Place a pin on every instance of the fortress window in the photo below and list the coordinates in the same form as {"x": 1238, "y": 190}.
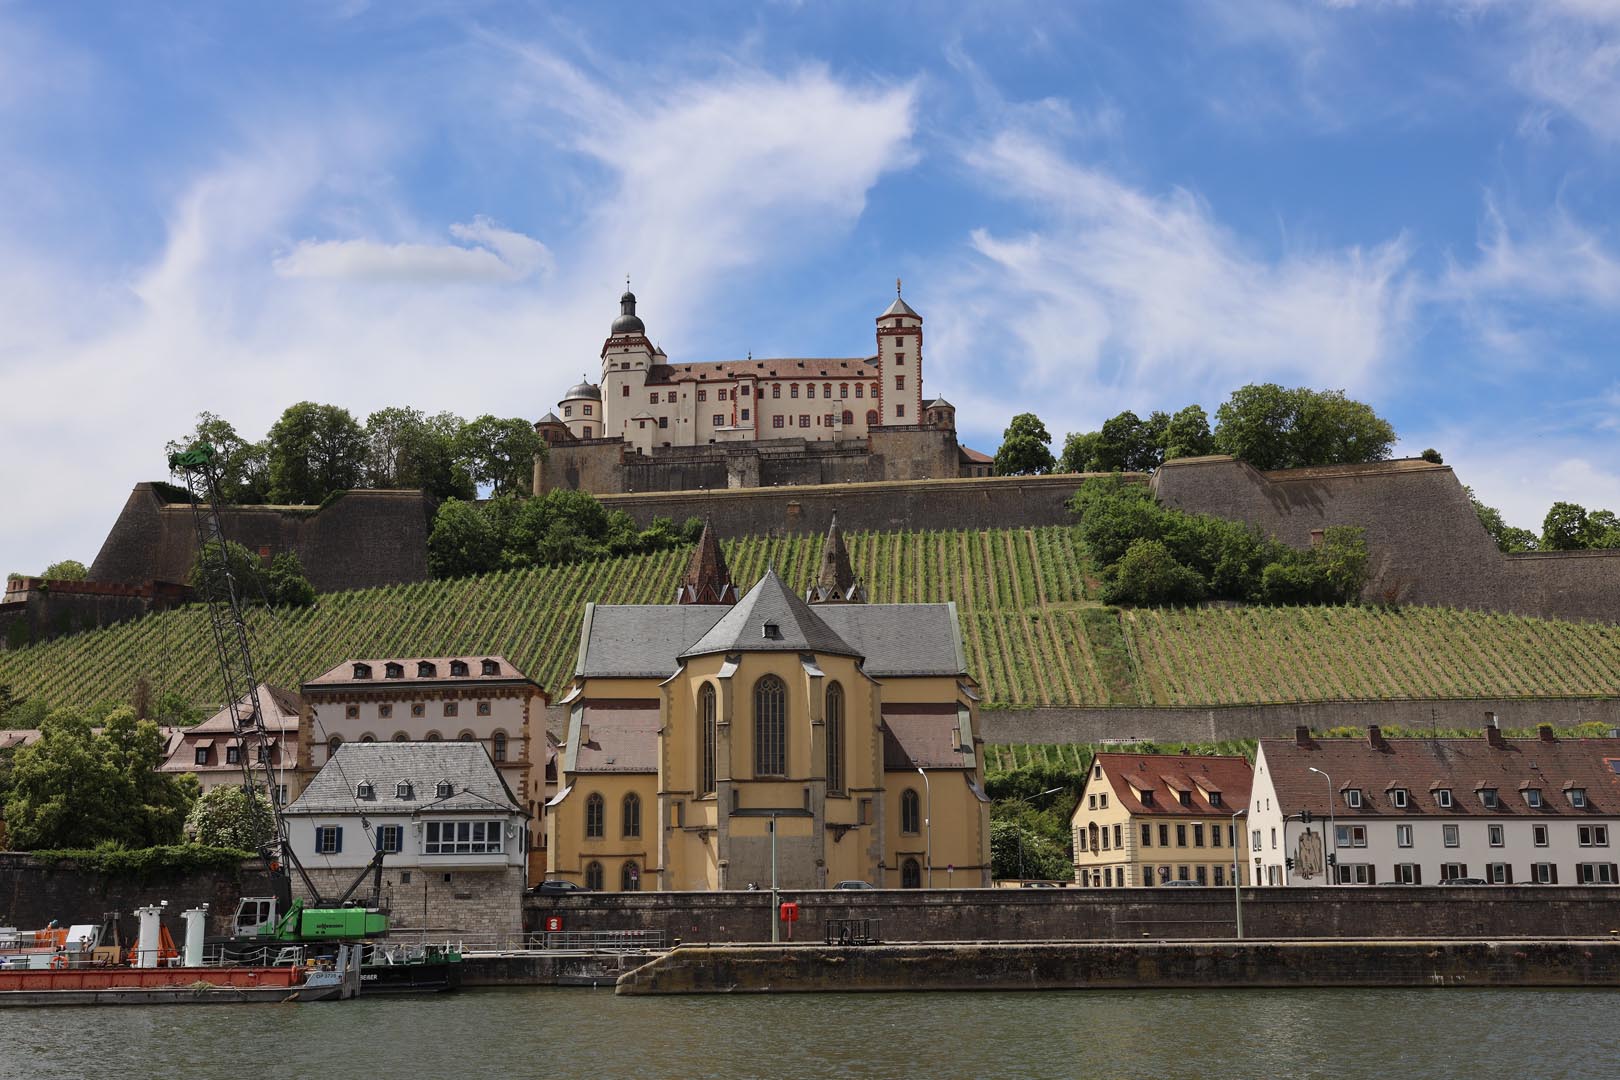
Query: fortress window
{"x": 745, "y": 415}
{"x": 843, "y": 389}
{"x": 899, "y": 358}
{"x": 776, "y": 390}
{"x": 849, "y": 418}
{"x": 483, "y": 708}
{"x": 585, "y": 433}
{"x": 426, "y": 670}
{"x": 451, "y": 708}
{"x": 585, "y": 409}
{"x": 871, "y": 418}
{"x": 859, "y": 389}
{"x": 899, "y": 382}
{"x": 626, "y": 390}
{"x": 804, "y": 420}
{"x": 875, "y": 390}
{"x": 362, "y": 671}
{"x": 719, "y": 421}
{"x": 351, "y": 712}
{"x": 743, "y": 390}
{"x": 793, "y": 391}
{"x": 663, "y": 422}
{"x": 568, "y": 410}
{"x": 720, "y": 394}
{"x": 827, "y": 420}
{"x": 652, "y": 398}
{"x": 702, "y": 395}
{"x": 826, "y": 390}
{"x": 672, "y": 397}
{"x": 394, "y": 671}
{"x": 385, "y": 711}
{"x": 776, "y": 421}
{"x": 458, "y": 668}
{"x": 418, "y": 709}
{"x": 900, "y": 410}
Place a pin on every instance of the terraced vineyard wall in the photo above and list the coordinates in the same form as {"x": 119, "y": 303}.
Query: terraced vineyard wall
{"x": 1046, "y": 654}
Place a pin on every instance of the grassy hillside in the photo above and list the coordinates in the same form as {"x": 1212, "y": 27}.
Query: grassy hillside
{"x": 1033, "y": 635}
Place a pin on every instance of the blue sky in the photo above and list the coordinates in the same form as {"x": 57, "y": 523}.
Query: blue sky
{"x": 1095, "y": 207}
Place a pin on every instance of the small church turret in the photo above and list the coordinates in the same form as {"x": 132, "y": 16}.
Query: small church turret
{"x": 707, "y": 579}
{"x": 836, "y": 582}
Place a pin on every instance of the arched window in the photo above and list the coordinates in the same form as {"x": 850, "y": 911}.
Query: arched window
{"x": 593, "y": 876}
{"x": 368, "y": 737}
{"x": 332, "y": 745}
{"x": 595, "y": 818}
{"x": 849, "y": 418}
{"x": 632, "y": 815}
{"x": 835, "y": 739}
{"x": 400, "y": 736}
{"x": 910, "y": 875}
{"x": 630, "y": 877}
{"x": 871, "y": 418}
{"x": 770, "y": 727}
{"x": 498, "y": 743}
{"x": 910, "y": 812}
{"x": 706, "y": 739}
{"x": 433, "y": 736}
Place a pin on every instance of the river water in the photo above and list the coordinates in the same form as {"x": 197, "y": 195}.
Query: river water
{"x": 1158, "y": 1034}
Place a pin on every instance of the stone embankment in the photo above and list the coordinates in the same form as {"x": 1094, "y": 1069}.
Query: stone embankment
{"x": 771, "y": 969}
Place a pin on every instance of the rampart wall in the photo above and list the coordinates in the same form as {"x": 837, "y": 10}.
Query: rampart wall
{"x": 358, "y": 541}
{"x": 37, "y": 610}
{"x": 1426, "y": 542}
{"x": 35, "y": 891}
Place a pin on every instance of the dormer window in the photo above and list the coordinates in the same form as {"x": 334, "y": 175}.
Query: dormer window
{"x": 402, "y": 790}
{"x": 1215, "y": 798}
{"x": 392, "y": 670}
{"x": 1487, "y": 798}
{"x": 491, "y": 667}
{"x": 772, "y": 632}
{"x": 1442, "y": 798}
{"x": 1397, "y": 798}
{"x": 1577, "y": 798}
{"x": 425, "y": 669}
{"x": 362, "y": 671}
{"x": 1147, "y": 798}
{"x": 444, "y": 790}
{"x": 1184, "y": 798}
{"x": 1352, "y": 798}
{"x": 1532, "y": 798}
{"x": 458, "y": 669}
{"x": 364, "y": 790}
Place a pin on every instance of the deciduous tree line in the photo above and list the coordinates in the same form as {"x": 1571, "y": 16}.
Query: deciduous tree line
{"x": 314, "y": 451}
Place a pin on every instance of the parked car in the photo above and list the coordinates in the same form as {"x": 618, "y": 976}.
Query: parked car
{"x": 854, "y": 885}
{"x": 1178, "y": 885}
{"x": 1037, "y": 885}
{"x": 559, "y": 887}
{"x": 1465, "y": 881}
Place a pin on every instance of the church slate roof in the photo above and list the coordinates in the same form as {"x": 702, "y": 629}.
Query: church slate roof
{"x": 837, "y": 581}
{"x": 744, "y": 628}
{"x": 477, "y": 783}
{"x": 707, "y": 579}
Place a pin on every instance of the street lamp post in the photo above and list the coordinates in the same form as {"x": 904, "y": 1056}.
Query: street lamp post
{"x": 1237, "y": 874}
{"x": 776, "y": 929}
{"x": 1019, "y": 799}
{"x": 1333, "y": 829}
{"x": 928, "y": 828}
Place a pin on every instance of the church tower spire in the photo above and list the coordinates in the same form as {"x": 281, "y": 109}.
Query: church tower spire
{"x": 837, "y": 583}
{"x": 707, "y": 580}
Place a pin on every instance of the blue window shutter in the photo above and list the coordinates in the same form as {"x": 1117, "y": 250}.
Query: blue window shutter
{"x": 337, "y": 839}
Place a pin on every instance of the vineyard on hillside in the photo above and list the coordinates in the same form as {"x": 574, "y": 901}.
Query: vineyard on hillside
{"x": 1033, "y": 634}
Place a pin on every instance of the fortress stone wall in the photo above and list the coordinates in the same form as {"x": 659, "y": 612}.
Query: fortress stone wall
{"x": 1426, "y": 542}
{"x": 362, "y": 540}
{"x": 613, "y": 466}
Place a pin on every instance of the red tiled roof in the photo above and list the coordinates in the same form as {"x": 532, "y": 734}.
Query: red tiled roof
{"x": 624, "y": 738}
{"x": 1463, "y": 765}
{"x": 921, "y": 734}
{"x": 853, "y": 367}
{"x": 1165, "y": 774}
{"x": 343, "y": 674}
{"x": 281, "y": 709}
{"x": 969, "y": 454}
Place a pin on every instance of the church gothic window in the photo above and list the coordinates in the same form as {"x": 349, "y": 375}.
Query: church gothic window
{"x": 770, "y": 727}
{"x": 910, "y": 875}
{"x": 630, "y": 877}
{"x": 910, "y": 812}
{"x": 706, "y": 739}
{"x": 595, "y": 817}
{"x": 835, "y": 739}
{"x": 593, "y": 876}
{"x": 632, "y": 815}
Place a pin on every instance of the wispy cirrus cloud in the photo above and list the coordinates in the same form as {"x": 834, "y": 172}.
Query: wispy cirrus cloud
{"x": 489, "y": 253}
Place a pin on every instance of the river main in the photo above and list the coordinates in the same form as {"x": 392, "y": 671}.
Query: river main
{"x": 1476, "y": 1034}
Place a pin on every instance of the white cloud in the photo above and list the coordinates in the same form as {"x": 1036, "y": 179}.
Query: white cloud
{"x": 1124, "y": 298}
{"x": 245, "y": 309}
{"x": 493, "y": 254}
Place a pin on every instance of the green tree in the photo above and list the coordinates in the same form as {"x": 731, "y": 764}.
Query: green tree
{"x": 244, "y": 569}
{"x": 1026, "y": 448}
{"x": 1272, "y": 427}
{"x": 1187, "y": 434}
{"x": 285, "y": 584}
{"x": 1565, "y": 528}
{"x": 74, "y": 788}
{"x": 1507, "y": 537}
{"x": 499, "y": 452}
{"x": 1602, "y": 530}
{"x": 462, "y": 541}
{"x": 228, "y": 817}
{"x": 66, "y": 570}
{"x": 1345, "y": 562}
{"x": 1127, "y": 442}
{"x": 1021, "y": 848}
{"x": 244, "y": 467}
{"x": 407, "y": 449}
{"x": 315, "y": 451}
{"x": 1148, "y": 574}
{"x": 1079, "y": 449}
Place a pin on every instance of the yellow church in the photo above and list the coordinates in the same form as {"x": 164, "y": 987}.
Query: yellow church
{"x": 699, "y": 727}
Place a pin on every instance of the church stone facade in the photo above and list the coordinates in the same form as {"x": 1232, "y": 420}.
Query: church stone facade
{"x": 653, "y": 425}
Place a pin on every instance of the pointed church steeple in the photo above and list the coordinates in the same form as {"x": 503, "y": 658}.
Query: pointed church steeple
{"x": 837, "y": 583}
{"x": 707, "y": 580}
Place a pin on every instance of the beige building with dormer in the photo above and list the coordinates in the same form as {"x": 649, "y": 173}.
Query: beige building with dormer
{"x": 699, "y": 727}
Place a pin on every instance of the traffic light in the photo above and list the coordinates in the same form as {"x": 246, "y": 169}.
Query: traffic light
{"x": 1333, "y": 858}
{"x": 1290, "y": 862}
{"x": 1305, "y": 816}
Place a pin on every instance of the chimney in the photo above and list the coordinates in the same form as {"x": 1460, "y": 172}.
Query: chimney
{"x": 1493, "y": 735}
{"x": 1375, "y": 737}
{"x": 1302, "y": 737}
{"x": 1546, "y": 733}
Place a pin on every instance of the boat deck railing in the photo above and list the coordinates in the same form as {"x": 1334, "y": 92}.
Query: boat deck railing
{"x": 579, "y": 942}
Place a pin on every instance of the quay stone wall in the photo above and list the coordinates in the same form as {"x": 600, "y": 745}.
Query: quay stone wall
{"x": 35, "y": 891}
